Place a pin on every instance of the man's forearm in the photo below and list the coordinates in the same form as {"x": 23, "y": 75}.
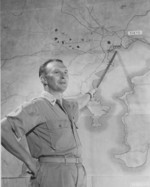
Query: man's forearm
{"x": 84, "y": 99}
{"x": 10, "y": 143}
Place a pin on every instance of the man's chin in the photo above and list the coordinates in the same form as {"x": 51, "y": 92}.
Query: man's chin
{"x": 62, "y": 89}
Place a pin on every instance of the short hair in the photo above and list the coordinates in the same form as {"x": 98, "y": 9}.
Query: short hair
{"x": 42, "y": 69}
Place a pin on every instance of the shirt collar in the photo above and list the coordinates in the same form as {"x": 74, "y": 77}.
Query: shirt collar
{"x": 49, "y": 97}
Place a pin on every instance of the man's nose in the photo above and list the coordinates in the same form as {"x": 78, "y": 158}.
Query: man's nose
{"x": 64, "y": 75}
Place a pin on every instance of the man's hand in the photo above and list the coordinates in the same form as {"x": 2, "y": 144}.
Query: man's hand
{"x": 92, "y": 93}
{"x": 84, "y": 99}
{"x": 95, "y": 95}
{"x": 33, "y": 167}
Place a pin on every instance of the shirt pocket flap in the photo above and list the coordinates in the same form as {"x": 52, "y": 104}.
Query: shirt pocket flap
{"x": 59, "y": 123}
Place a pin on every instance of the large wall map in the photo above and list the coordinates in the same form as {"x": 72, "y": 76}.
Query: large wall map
{"x": 114, "y": 129}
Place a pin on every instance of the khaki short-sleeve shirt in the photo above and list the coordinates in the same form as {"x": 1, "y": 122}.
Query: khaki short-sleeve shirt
{"x": 49, "y": 129}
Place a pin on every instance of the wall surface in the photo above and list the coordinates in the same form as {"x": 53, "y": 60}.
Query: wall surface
{"x": 115, "y": 130}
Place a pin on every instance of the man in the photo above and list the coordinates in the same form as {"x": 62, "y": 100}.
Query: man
{"x": 49, "y": 123}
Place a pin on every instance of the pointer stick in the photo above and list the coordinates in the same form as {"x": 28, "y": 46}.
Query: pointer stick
{"x": 103, "y": 75}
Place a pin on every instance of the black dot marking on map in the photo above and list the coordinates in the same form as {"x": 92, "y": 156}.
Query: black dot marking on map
{"x": 123, "y": 6}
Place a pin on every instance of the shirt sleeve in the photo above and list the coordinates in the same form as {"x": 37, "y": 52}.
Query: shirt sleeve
{"x": 24, "y": 119}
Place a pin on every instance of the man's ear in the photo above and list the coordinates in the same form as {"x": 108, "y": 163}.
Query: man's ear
{"x": 43, "y": 80}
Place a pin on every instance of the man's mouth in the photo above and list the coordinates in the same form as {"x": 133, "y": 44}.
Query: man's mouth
{"x": 63, "y": 82}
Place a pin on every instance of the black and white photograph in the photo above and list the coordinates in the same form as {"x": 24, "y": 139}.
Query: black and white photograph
{"x": 75, "y": 93}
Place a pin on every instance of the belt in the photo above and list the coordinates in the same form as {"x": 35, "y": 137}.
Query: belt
{"x": 64, "y": 159}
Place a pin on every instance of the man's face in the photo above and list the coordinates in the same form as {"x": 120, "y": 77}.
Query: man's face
{"x": 56, "y": 76}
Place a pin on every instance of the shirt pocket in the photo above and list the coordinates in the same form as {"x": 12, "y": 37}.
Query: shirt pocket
{"x": 61, "y": 135}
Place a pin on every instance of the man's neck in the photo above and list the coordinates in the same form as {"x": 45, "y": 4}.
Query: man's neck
{"x": 57, "y": 95}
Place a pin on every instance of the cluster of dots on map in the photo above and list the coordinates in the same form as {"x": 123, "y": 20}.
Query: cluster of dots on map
{"x": 66, "y": 41}
{"x": 63, "y": 39}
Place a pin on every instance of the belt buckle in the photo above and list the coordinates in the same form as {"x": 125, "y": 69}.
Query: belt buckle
{"x": 73, "y": 160}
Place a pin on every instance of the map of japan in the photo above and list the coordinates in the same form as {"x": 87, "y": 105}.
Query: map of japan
{"x": 129, "y": 75}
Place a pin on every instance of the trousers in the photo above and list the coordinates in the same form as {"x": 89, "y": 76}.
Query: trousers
{"x": 60, "y": 175}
